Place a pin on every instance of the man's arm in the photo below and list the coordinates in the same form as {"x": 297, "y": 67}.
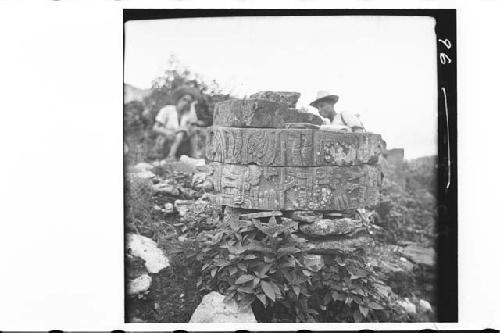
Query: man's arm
{"x": 162, "y": 130}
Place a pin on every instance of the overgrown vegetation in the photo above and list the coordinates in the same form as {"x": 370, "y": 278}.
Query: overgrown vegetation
{"x": 263, "y": 265}
{"x": 410, "y": 213}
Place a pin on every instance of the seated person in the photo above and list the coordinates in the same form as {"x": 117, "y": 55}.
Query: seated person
{"x": 336, "y": 121}
{"x": 175, "y": 124}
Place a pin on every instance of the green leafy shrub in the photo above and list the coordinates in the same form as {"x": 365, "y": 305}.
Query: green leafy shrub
{"x": 347, "y": 290}
{"x": 263, "y": 265}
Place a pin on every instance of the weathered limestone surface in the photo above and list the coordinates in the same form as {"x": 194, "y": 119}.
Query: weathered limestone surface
{"x": 288, "y": 97}
{"x": 213, "y": 309}
{"x": 291, "y": 147}
{"x": 296, "y": 188}
{"x": 327, "y": 227}
{"x": 259, "y": 113}
{"x": 345, "y": 245}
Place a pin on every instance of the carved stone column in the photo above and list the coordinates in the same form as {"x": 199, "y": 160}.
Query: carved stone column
{"x": 317, "y": 178}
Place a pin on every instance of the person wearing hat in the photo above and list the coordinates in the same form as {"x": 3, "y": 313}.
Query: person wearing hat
{"x": 333, "y": 120}
{"x": 173, "y": 123}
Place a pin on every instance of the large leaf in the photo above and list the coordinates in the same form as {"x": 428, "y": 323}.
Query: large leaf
{"x": 221, "y": 262}
{"x": 262, "y": 269}
{"x": 364, "y": 311}
{"x": 246, "y": 290}
{"x": 262, "y": 298}
{"x": 268, "y": 290}
{"x": 244, "y": 278}
{"x": 375, "y": 306}
{"x": 232, "y": 270}
{"x": 276, "y": 289}
{"x": 296, "y": 290}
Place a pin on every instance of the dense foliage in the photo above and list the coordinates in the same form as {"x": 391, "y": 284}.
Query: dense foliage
{"x": 265, "y": 265}
{"x": 410, "y": 212}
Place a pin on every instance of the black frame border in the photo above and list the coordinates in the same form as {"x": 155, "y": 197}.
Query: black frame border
{"x": 446, "y": 45}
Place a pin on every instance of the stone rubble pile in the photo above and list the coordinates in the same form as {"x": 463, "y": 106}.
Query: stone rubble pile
{"x": 144, "y": 257}
{"x": 321, "y": 180}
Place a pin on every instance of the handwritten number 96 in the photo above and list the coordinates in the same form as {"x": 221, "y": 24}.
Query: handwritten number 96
{"x": 443, "y": 57}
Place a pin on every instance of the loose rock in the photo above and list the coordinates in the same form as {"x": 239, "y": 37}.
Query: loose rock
{"x": 143, "y": 175}
{"x": 182, "y": 206}
{"x": 141, "y": 167}
{"x": 192, "y": 161}
{"x": 408, "y": 306}
{"x": 425, "y": 306}
{"x": 166, "y": 188}
{"x": 169, "y": 208}
{"x": 139, "y": 285}
{"x": 213, "y": 309}
{"x": 146, "y": 249}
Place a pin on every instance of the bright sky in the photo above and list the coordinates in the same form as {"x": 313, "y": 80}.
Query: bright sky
{"x": 383, "y": 68}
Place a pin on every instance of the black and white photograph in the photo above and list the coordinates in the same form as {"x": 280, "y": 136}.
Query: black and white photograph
{"x": 259, "y": 166}
{"x": 284, "y": 168}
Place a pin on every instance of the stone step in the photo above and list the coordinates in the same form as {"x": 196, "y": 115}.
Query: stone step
{"x": 259, "y": 113}
{"x": 291, "y": 147}
{"x": 296, "y": 188}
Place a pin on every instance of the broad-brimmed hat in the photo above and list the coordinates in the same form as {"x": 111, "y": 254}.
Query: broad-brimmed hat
{"x": 185, "y": 90}
{"x": 323, "y": 96}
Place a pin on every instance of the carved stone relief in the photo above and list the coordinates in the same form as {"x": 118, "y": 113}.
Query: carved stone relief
{"x": 297, "y": 188}
{"x": 291, "y": 147}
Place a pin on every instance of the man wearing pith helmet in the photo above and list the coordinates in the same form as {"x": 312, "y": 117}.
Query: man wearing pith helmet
{"x": 333, "y": 120}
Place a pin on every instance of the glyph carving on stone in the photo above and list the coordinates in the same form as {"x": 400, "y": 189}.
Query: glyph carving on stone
{"x": 291, "y": 147}
{"x": 297, "y": 188}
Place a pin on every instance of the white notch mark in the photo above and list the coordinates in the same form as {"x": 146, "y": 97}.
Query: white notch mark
{"x": 447, "y": 136}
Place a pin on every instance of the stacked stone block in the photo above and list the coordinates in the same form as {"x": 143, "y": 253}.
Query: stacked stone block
{"x": 319, "y": 179}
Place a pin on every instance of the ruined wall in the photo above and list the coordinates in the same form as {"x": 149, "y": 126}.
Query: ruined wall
{"x": 320, "y": 180}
